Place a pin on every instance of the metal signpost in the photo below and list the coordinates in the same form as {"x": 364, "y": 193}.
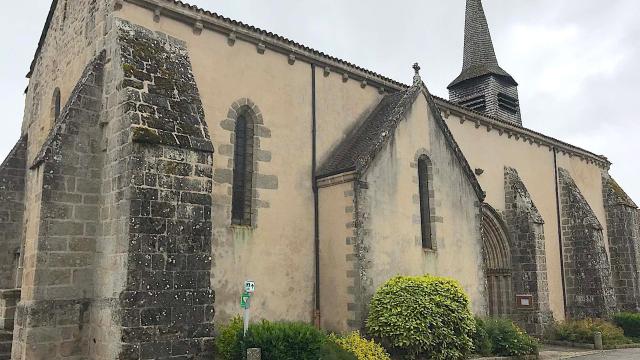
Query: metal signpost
{"x": 245, "y": 302}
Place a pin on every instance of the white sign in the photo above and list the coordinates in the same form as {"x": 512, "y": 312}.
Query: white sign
{"x": 250, "y": 286}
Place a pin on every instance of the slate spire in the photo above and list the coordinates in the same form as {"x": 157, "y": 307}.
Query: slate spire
{"x": 483, "y": 85}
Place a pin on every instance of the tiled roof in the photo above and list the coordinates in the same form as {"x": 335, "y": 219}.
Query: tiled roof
{"x": 396, "y": 84}
{"x": 358, "y": 149}
{"x": 479, "y": 55}
{"x": 362, "y": 141}
{"x": 236, "y": 24}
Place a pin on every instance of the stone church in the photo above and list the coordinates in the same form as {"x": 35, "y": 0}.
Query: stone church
{"x": 169, "y": 153}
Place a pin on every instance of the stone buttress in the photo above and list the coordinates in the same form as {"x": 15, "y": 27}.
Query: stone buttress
{"x": 623, "y": 232}
{"x": 117, "y": 258}
{"x": 526, "y": 228}
{"x": 12, "y": 185}
{"x": 587, "y": 272}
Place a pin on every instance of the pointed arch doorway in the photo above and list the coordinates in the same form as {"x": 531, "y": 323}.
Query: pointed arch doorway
{"x": 497, "y": 263}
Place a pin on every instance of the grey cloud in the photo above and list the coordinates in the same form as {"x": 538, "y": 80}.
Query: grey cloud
{"x": 598, "y": 114}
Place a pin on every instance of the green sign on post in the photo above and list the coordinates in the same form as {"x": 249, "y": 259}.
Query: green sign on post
{"x": 244, "y": 300}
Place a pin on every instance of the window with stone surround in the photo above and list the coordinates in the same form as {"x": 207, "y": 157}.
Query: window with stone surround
{"x": 241, "y": 203}
{"x": 424, "y": 185}
{"x": 55, "y": 105}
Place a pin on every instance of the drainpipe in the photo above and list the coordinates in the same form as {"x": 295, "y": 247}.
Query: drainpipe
{"x": 316, "y": 210}
{"x": 559, "y": 219}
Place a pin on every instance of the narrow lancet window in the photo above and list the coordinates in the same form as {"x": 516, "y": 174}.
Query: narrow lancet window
{"x": 241, "y": 203}
{"x": 425, "y": 210}
{"x": 55, "y": 111}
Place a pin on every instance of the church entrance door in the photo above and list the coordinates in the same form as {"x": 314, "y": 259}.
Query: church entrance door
{"x": 497, "y": 262}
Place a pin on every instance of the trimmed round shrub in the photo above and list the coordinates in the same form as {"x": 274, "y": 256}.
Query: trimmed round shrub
{"x": 507, "y": 339}
{"x": 229, "y": 340}
{"x": 422, "y": 315}
{"x": 629, "y": 322}
{"x": 581, "y": 331}
{"x": 285, "y": 341}
{"x": 362, "y": 348}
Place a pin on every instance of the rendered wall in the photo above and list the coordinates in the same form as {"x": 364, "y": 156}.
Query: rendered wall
{"x": 388, "y": 213}
{"x": 278, "y": 257}
{"x": 338, "y": 271}
{"x": 491, "y": 150}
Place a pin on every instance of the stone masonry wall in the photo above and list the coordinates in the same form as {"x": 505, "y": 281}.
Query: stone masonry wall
{"x": 74, "y": 37}
{"x": 623, "y": 232}
{"x": 12, "y": 184}
{"x": 587, "y": 270}
{"x": 57, "y": 289}
{"x": 528, "y": 257}
{"x": 167, "y": 302}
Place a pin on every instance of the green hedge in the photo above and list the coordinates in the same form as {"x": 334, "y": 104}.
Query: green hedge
{"x": 629, "y": 322}
{"x": 285, "y": 341}
{"x": 501, "y": 337}
{"x": 581, "y": 331}
{"x": 229, "y": 340}
{"x": 280, "y": 341}
{"x": 422, "y": 315}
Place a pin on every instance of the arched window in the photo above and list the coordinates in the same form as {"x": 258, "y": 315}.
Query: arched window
{"x": 55, "y": 106}
{"x": 241, "y": 203}
{"x": 425, "y": 204}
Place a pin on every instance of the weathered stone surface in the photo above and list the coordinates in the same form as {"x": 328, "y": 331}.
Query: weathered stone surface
{"x": 529, "y": 273}
{"x": 587, "y": 270}
{"x": 12, "y": 184}
{"x": 167, "y": 296}
{"x": 58, "y": 288}
{"x": 623, "y": 231}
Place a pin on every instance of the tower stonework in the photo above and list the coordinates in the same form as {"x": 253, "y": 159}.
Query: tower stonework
{"x": 483, "y": 85}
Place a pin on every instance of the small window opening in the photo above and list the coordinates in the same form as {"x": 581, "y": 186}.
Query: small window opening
{"x": 241, "y": 203}
{"x": 425, "y": 209}
{"x": 55, "y": 107}
{"x": 508, "y": 103}
{"x": 478, "y": 103}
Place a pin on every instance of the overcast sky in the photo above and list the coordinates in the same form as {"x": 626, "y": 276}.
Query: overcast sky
{"x": 576, "y": 60}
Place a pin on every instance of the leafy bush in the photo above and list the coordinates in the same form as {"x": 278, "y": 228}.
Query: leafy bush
{"x": 362, "y": 348}
{"x": 581, "y": 331}
{"x": 481, "y": 342}
{"x": 501, "y": 337}
{"x": 229, "y": 340}
{"x": 422, "y": 315}
{"x": 285, "y": 341}
{"x": 332, "y": 351}
{"x": 629, "y": 322}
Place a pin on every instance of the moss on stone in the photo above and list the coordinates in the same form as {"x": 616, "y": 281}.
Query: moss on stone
{"x": 145, "y": 134}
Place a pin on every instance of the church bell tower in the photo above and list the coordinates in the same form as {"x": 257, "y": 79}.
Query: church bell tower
{"x": 483, "y": 85}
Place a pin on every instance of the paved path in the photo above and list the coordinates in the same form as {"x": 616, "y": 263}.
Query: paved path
{"x": 550, "y": 352}
{"x": 627, "y": 354}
